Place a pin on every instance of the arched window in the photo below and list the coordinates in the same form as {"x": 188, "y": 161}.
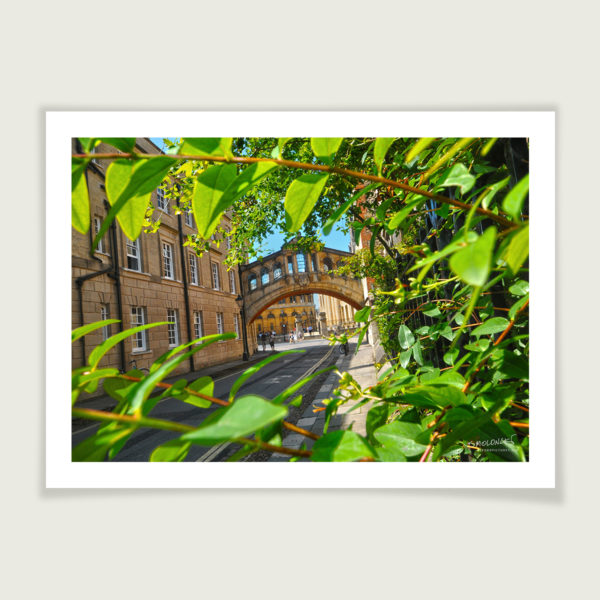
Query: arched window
{"x": 277, "y": 272}
{"x": 264, "y": 277}
{"x": 301, "y": 262}
{"x": 327, "y": 264}
{"x": 252, "y": 282}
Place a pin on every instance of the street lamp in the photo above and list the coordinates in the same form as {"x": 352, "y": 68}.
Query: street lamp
{"x": 240, "y": 303}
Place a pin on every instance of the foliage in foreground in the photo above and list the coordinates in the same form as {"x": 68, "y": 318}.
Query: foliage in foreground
{"x": 448, "y": 264}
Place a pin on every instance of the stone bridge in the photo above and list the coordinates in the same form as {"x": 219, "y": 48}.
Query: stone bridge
{"x": 289, "y": 272}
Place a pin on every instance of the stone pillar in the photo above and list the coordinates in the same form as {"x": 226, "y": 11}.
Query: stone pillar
{"x": 323, "y": 330}
{"x": 298, "y": 321}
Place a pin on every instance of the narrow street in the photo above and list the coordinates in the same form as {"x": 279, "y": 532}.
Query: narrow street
{"x": 268, "y": 382}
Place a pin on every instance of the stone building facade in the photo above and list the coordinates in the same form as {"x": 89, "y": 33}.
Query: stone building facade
{"x": 339, "y": 314}
{"x": 283, "y": 316}
{"x": 154, "y": 278}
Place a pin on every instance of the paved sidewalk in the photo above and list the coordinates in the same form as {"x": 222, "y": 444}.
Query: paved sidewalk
{"x": 361, "y": 367}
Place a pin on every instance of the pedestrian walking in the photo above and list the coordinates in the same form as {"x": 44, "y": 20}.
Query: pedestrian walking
{"x": 263, "y": 339}
{"x": 272, "y": 342}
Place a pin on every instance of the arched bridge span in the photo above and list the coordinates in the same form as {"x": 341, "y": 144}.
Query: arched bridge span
{"x": 288, "y": 273}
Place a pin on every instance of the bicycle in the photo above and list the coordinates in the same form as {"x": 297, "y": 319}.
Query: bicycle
{"x": 142, "y": 369}
{"x": 344, "y": 348}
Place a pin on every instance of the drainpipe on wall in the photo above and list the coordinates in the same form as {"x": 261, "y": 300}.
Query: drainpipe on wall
{"x": 116, "y": 276}
{"x": 186, "y": 290}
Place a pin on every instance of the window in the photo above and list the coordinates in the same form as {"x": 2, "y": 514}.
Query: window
{"x": 277, "y": 271}
{"x": 134, "y": 255}
{"x": 327, "y": 265}
{"x": 138, "y": 317}
{"x": 232, "y": 281}
{"x": 173, "y": 327}
{"x": 188, "y": 218}
{"x": 161, "y": 201}
{"x": 301, "y": 262}
{"x": 97, "y": 226}
{"x": 264, "y": 277}
{"x": 198, "y": 326}
{"x": 220, "y": 327}
{"x": 290, "y": 264}
{"x": 236, "y": 324}
{"x": 104, "y": 314}
{"x": 193, "y": 268}
{"x": 252, "y": 282}
{"x": 168, "y": 261}
{"x": 215, "y": 276}
{"x": 313, "y": 262}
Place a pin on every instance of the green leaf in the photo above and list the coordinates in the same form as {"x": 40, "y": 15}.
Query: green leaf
{"x": 246, "y": 180}
{"x": 417, "y": 148}
{"x": 85, "y": 329}
{"x": 438, "y": 395}
{"x": 340, "y": 446}
{"x": 382, "y": 145}
{"x": 173, "y": 451}
{"x": 345, "y": 207}
{"x": 206, "y": 146}
{"x": 518, "y": 249}
{"x": 513, "y": 203}
{"x": 206, "y": 201}
{"x": 405, "y": 337}
{"x": 301, "y": 197}
{"x": 99, "y": 351}
{"x": 80, "y": 202}
{"x": 376, "y": 417}
{"x": 492, "y": 191}
{"x": 95, "y": 448}
{"x": 450, "y": 356}
{"x": 325, "y": 148}
{"x": 473, "y": 263}
{"x": 405, "y": 357}
{"x": 290, "y": 391}
{"x": 255, "y": 368}
{"x": 362, "y": 315}
{"x": 459, "y": 176}
{"x": 491, "y": 326}
{"x": 131, "y": 216}
{"x": 410, "y": 439}
{"x": 481, "y": 345}
{"x": 397, "y": 218}
{"x": 205, "y": 341}
{"x": 146, "y": 176}
{"x": 126, "y": 145}
{"x": 515, "y": 308}
{"x": 390, "y": 454}
{"x": 245, "y": 416}
{"x": 140, "y": 393}
{"x": 281, "y": 142}
{"x": 203, "y": 385}
{"x": 417, "y": 354}
{"x": 520, "y": 288}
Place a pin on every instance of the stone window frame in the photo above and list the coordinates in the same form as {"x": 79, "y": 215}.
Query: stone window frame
{"x": 140, "y": 338}
{"x": 162, "y": 203}
{"x": 105, "y": 314}
{"x": 232, "y": 286}
{"x": 264, "y": 271}
{"x": 137, "y": 255}
{"x": 194, "y": 278}
{"x": 215, "y": 276}
{"x": 168, "y": 262}
{"x": 277, "y": 271}
{"x": 252, "y": 282}
{"x": 220, "y": 323}
{"x": 173, "y": 327}
{"x": 198, "y": 324}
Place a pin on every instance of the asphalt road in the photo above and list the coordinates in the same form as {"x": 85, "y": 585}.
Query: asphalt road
{"x": 268, "y": 382}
